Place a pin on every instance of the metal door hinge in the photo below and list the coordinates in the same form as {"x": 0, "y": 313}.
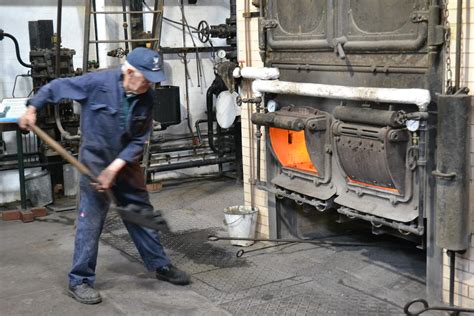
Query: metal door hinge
{"x": 268, "y": 24}
{"x": 419, "y": 16}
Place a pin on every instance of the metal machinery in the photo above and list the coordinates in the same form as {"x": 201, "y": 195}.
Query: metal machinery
{"x": 353, "y": 118}
{"x": 213, "y": 144}
{"x": 165, "y": 152}
{"x": 47, "y": 63}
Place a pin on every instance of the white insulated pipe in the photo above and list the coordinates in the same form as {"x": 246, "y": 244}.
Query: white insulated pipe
{"x": 264, "y": 73}
{"x": 420, "y": 97}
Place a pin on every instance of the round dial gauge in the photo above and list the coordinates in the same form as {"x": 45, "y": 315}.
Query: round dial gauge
{"x": 272, "y": 106}
{"x": 221, "y": 53}
{"x": 413, "y": 125}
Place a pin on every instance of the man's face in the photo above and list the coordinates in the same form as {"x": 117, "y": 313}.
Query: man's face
{"x": 134, "y": 82}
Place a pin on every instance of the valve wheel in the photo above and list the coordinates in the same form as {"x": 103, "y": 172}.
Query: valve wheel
{"x": 203, "y": 31}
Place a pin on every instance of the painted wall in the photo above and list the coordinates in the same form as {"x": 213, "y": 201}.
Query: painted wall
{"x": 14, "y": 17}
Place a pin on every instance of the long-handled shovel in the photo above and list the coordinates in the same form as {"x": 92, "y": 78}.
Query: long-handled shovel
{"x": 131, "y": 213}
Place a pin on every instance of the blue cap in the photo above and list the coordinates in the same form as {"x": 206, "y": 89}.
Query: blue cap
{"x": 148, "y": 62}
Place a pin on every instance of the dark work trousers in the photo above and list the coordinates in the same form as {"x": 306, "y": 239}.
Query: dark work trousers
{"x": 129, "y": 188}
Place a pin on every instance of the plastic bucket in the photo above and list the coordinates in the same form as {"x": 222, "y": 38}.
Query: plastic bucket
{"x": 38, "y": 188}
{"x": 241, "y": 222}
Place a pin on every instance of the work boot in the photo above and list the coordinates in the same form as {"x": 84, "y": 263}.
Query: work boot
{"x": 85, "y": 294}
{"x": 171, "y": 274}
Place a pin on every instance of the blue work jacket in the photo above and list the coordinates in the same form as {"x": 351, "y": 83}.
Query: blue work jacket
{"x": 105, "y": 134}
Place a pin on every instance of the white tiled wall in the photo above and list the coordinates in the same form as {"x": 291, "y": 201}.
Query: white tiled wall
{"x": 464, "y": 276}
{"x": 251, "y": 194}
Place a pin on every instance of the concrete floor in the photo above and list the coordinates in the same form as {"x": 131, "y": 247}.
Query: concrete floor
{"x": 34, "y": 262}
{"x": 292, "y": 280}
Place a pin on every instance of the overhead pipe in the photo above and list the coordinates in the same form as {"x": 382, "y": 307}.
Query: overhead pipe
{"x": 17, "y": 48}
{"x": 420, "y": 97}
{"x": 191, "y": 164}
{"x": 265, "y": 73}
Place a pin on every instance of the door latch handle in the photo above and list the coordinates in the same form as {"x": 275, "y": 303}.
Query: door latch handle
{"x": 340, "y": 50}
{"x": 445, "y": 176}
{"x": 338, "y": 44}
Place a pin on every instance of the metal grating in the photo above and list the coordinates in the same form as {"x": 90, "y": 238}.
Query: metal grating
{"x": 292, "y": 279}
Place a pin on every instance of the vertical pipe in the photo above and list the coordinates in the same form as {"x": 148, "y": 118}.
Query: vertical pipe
{"x": 96, "y": 33}
{"x": 136, "y": 21}
{"x": 457, "y": 78}
{"x": 58, "y": 38}
{"x": 155, "y": 20}
{"x": 421, "y": 173}
{"x": 125, "y": 25}
{"x": 233, "y": 8}
{"x": 258, "y": 135}
{"x": 259, "y": 131}
{"x": 21, "y": 167}
{"x": 186, "y": 72}
{"x": 452, "y": 262}
{"x": 87, "y": 28}
{"x": 248, "y": 59}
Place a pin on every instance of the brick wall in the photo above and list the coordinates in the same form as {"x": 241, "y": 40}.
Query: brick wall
{"x": 464, "y": 276}
{"x": 251, "y": 194}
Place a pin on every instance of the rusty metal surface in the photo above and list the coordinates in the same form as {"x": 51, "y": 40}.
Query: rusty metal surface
{"x": 321, "y": 42}
{"x": 373, "y": 156}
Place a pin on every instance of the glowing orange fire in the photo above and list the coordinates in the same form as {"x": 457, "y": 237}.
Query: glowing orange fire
{"x": 290, "y": 149}
{"x": 371, "y": 185}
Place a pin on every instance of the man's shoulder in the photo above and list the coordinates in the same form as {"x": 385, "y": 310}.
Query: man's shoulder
{"x": 103, "y": 73}
{"x": 103, "y": 78}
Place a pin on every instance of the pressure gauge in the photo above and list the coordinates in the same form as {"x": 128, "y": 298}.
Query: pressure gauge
{"x": 272, "y": 106}
{"x": 413, "y": 125}
{"x": 221, "y": 53}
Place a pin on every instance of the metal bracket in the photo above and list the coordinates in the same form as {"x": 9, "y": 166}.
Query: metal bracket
{"x": 255, "y": 14}
{"x": 269, "y": 24}
{"x": 419, "y": 16}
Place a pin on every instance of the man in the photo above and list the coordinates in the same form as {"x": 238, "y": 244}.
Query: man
{"x": 116, "y": 121}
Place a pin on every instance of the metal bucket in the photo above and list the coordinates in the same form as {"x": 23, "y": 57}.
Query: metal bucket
{"x": 38, "y": 188}
{"x": 71, "y": 180}
{"x": 241, "y": 222}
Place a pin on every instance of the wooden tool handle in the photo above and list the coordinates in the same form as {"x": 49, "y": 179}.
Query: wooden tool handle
{"x": 62, "y": 152}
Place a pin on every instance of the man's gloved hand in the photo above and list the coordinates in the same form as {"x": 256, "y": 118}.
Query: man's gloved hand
{"x": 107, "y": 176}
